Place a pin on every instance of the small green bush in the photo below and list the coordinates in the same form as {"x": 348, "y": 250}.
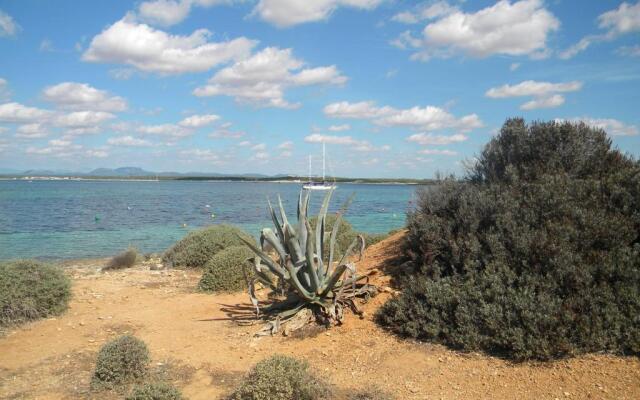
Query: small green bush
{"x": 372, "y": 238}
{"x": 281, "y": 378}
{"x": 195, "y": 249}
{"x": 155, "y": 391}
{"x": 126, "y": 259}
{"x": 224, "y": 272}
{"x": 536, "y": 255}
{"x": 121, "y": 361}
{"x": 31, "y": 290}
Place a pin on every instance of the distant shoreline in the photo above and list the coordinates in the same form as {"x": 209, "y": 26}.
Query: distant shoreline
{"x": 364, "y": 181}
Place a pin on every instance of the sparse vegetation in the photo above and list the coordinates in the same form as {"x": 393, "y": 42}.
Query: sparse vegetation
{"x": 224, "y": 272}
{"x": 126, "y": 259}
{"x": 30, "y": 290}
{"x": 195, "y": 249}
{"x": 281, "y": 378}
{"x": 155, "y": 391}
{"x": 535, "y": 256}
{"x": 369, "y": 394}
{"x": 373, "y": 238}
{"x": 120, "y": 361}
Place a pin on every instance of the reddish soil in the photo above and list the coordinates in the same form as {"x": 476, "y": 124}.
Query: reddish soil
{"x": 206, "y": 357}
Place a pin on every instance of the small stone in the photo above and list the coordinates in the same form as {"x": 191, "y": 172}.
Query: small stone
{"x": 567, "y": 394}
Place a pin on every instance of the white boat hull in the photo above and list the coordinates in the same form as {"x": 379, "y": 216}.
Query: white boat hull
{"x": 318, "y": 187}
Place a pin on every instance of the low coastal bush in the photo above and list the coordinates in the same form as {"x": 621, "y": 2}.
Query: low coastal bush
{"x": 372, "y": 238}
{"x": 155, "y": 391}
{"x": 126, "y": 259}
{"x": 281, "y": 378}
{"x": 195, "y": 249}
{"x": 31, "y": 290}
{"x": 120, "y": 361}
{"x": 536, "y": 255}
{"x": 225, "y": 271}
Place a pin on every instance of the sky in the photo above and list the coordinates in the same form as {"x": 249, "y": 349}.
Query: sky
{"x": 393, "y": 88}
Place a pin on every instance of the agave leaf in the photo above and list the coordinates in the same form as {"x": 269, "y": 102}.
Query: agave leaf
{"x": 320, "y": 228}
{"x": 333, "y": 279}
{"x": 274, "y": 218}
{"x": 283, "y": 215}
{"x": 275, "y": 268}
{"x": 295, "y": 282}
{"x": 268, "y": 235}
{"x": 334, "y": 233}
{"x": 311, "y": 264}
{"x": 352, "y": 246}
{"x": 295, "y": 251}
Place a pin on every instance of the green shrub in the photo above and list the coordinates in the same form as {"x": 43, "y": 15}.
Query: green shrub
{"x": 126, "y": 259}
{"x": 225, "y": 270}
{"x": 281, "y": 378}
{"x": 121, "y": 361}
{"x": 155, "y": 391}
{"x": 535, "y": 256}
{"x": 31, "y": 290}
{"x": 195, "y": 249}
{"x": 372, "y": 238}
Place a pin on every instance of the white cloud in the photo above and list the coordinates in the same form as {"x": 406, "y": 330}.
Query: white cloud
{"x": 46, "y": 45}
{"x": 545, "y": 93}
{"x": 171, "y": 12}
{"x": 226, "y": 134}
{"x": 198, "y": 121}
{"x": 285, "y": 154}
{"x": 96, "y": 153}
{"x": 360, "y": 110}
{"x": 612, "y": 126}
{"x": 244, "y": 143}
{"x": 31, "y": 131}
{"x": 286, "y": 13}
{"x": 168, "y": 130}
{"x": 5, "y": 93}
{"x": 288, "y": 145}
{"x": 553, "y": 101}
{"x": 207, "y": 155}
{"x": 152, "y": 50}
{"x": 83, "y": 119}
{"x": 516, "y": 29}
{"x": 122, "y": 74}
{"x": 262, "y": 79}
{"x": 16, "y": 112}
{"x": 438, "y": 152}
{"x": 128, "y": 141}
{"x": 259, "y": 147}
{"x": 425, "y": 11}
{"x": 431, "y": 139}
{"x": 339, "y": 128}
{"x": 631, "y": 51}
{"x": 81, "y": 96}
{"x": 425, "y": 118}
{"x": 620, "y": 21}
{"x": 8, "y": 27}
{"x": 514, "y": 66}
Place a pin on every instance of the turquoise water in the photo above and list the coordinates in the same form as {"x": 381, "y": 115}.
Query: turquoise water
{"x": 78, "y": 219}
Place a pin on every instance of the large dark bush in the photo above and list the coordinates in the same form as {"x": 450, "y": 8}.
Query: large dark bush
{"x": 31, "y": 290}
{"x": 225, "y": 271}
{"x": 195, "y": 249}
{"x": 120, "y": 361}
{"x": 535, "y": 256}
{"x": 281, "y": 378}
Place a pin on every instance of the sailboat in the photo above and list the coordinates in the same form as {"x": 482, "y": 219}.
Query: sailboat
{"x": 323, "y": 185}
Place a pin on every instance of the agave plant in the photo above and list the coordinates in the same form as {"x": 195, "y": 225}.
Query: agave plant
{"x": 305, "y": 286}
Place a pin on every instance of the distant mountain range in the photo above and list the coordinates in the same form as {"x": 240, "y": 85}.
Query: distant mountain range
{"x": 119, "y": 172}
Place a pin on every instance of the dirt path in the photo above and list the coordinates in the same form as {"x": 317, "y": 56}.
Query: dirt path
{"x": 54, "y": 358}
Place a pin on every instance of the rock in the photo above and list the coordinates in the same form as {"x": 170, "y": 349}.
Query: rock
{"x": 156, "y": 267}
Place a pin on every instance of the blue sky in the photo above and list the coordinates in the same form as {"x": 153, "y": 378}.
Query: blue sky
{"x": 394, "y": 88}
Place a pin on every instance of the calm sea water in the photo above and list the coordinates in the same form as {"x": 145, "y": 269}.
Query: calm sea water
{"x": 77, "y": 219}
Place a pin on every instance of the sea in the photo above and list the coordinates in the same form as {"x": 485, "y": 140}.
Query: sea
{"x": 73, "y": 219}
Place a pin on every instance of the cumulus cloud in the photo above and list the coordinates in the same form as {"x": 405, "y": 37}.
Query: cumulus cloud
{"x": 438, "y": 152}
{"x": 8, "y": 27}
{"x": 81, "y": 96}
{"x": 431, "y": 139}
{"x": 128, "y": 141}
{"x": 171, "y": 12}
{"x": 19, "y": 113}
{"x": 339, "y": 128}
{"x": 224, "y": 133}
{"x": 198, "y": 121}
{"x": 612, "y": 126}
{"x": 425, "y": 118}
{"x": 425, "y": 11}
{"x": 630, "y": 51}
{"x": 517, "y": 29}
{"x": 168, "y": 130}
{"x": 617, "y": 22}
{"x": 207, "y": 155}
{"x": 288, "y": 145}
{"x": 152, "y": 50}
{"x": 262, "y": 79}
{"x": 32, "y": 131}
{"x": 355, "y": 144}
{"x": 286, "y": 13}
{"x": 545, "y": 93}
{"x": 82, "y": 119}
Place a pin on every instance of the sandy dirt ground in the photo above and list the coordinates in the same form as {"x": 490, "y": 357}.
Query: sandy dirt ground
{"x": 206, "y": 356}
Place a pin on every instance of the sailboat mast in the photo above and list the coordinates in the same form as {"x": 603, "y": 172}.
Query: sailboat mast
{"x": 309, "y": 167}
{"x": 323, "y": 154}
